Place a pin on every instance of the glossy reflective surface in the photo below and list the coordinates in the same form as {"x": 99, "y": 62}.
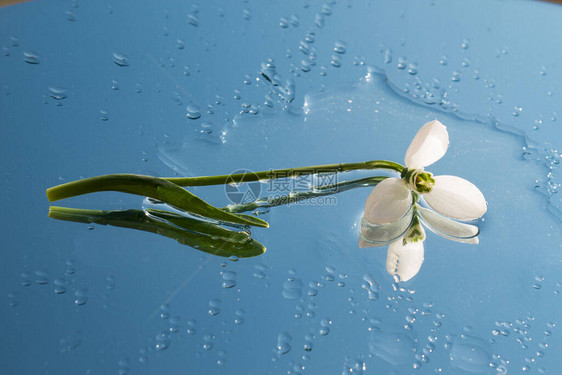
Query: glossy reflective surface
{"x": 213, "y": 87}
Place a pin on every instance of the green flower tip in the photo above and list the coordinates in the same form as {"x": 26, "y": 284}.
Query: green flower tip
{"x": 419, "y": 181}
{"x": 415, "y": 232}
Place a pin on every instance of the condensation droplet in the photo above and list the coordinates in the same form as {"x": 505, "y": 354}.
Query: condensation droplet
{"x": 81, "y": 296}
{"x": 120, "y": 59}
{"x": 292, "y": 288}
{"x": 229, "y": 279}
{"x": 193, "y": 112}
{"x": 214, "y": 307}
{"x": 30, "y": 57}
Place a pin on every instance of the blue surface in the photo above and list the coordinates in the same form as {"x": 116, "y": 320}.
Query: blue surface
{"x": 80, "y": 299}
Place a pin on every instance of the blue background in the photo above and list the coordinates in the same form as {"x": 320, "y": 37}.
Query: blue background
{"x": 97, "y": 300}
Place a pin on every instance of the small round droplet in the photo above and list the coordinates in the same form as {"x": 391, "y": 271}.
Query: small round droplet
{"x": 103, "y": 115}
{"x": 59, "y": 285}
{"x": 80, "y": 296}
{"x": 120, "y": 59}
{"x": 30, "y": 57}
{"x": 193, "y": 112}
{"x": 162, "y": 341}
{"x": 193, "y": 20}
{"x": 335, "y": 61}
{"x": 292, "y": 288}
{"x": 340, "y": 47}
{"x": 208, "y": 341}
{"x": 214, "y": 307}
{"x": 229, "y": 279}
{"x": 57, "y": 93}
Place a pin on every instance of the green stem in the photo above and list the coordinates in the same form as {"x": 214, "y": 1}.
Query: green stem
{"x": 294, "y": 197}
{"x": 152, "y": 187}
{"x": 284, "y": 173}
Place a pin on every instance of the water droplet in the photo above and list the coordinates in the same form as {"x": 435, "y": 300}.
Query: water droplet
{"x": 335, "y": 61}
{"x": 456, "y": 77}
{"x": 191, "y": 327}
{"x": 465, "y": 44}
{"x": 59, "y": 285}
{"x": 57, "y": 93}
{"x": 305, "y": 66}
{"x": 239, "y": 316}
{"x": 103, "y": 115}
{"x": 222, "y": 358}
{"x": 229, "y": 279}
{"x": 283, "y": 345}
{"x": 214, "y": 307}
{"x": 319, "y": 20}
{"x": 284, "y": 22}
{"x": 412, "y": 68}
{"x": 371, "y": 286}
{"x": 247, "y": 14}
{"x": 387, "y": 56}
{"x": 162, "y": 341}
{"x": 394, "y": 348}
{"x": 193, "y": 112}
{"x": 12, "y": 299}
{"x": 26, "y": 279}
{"x": 120, "y": 59}
{"x": 295, "y": 20}
{"x": 208, "y": 341}
{"x": 41, "y": 277}
{"x": 81, "y": 296}
{"x": 70, "y": 342}
{"x": 193, "y": 20}
{"x": 340, "y": 47}
{"x": 30, "y": 57}
{"x": 70, "y": 16}
{"x": 292, "y": 288}
{"x": 469, "y": 353}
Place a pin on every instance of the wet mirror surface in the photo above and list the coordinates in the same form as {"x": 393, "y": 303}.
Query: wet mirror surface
{"x": 215, "y": 87}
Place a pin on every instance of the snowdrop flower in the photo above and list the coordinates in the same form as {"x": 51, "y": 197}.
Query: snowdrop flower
{"x": 392, "y": 215}
{"x": 449, "y": 195}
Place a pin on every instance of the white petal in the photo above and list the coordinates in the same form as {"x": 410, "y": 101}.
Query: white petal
{"x": 457, "y": 198}
{"x": 404, "y": 260}
{"x": 389, "y": 201}
{"x": 428, "y": 146}
{"x": 448, "y": 228}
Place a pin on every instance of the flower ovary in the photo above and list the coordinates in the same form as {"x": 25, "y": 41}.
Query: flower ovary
{"x": 419, "y": 181}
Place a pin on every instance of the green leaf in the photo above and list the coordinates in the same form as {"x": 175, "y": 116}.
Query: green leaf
{"x": 152, "y": 187}
{"x": 201, "y": 235}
